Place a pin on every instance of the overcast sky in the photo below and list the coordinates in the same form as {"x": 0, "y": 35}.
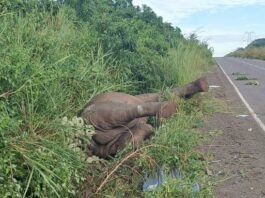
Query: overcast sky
{"x": 222, "y": 23}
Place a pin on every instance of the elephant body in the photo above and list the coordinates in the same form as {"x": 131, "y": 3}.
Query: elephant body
{"x": 120, "y": 118}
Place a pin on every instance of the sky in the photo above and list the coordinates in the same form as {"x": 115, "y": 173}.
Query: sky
{"x": 224, "y": 24}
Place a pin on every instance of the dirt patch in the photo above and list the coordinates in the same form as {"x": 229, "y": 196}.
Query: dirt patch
{"x": 238, "y": 163}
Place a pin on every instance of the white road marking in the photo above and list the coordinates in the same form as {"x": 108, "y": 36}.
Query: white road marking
{"x": 252, "y": 112}
{"x": 214, "y": 86}
{"x": 242, "y": 116}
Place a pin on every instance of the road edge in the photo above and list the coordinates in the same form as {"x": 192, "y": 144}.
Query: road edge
{"x": 251, "y": 111}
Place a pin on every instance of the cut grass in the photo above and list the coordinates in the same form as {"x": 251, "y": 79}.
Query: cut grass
{"x": 245, "y": 78}
{"x": 253, "y": 83}
{"x": 237, "y": 74}
{"x": 240, "y": 76}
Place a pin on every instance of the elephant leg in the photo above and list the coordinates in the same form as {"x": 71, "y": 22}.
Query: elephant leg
{"x": 105, "y": 150}
{"x": 135, "y": 136}
{"x": 140, "y": 133}
{"x": 108, "y": 115}
{"x": 151, "y": 97}
{"x": 188, "y": 90}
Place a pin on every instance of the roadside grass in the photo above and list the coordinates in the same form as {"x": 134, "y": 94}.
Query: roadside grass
{"x": 46, "y": 74}
{"x": 252, "y": 52}
{"x": 181, "y": 135}
{"x": 186, "y": 63}
{"x": 50, "y": 67}
{"x": 172, "y": 145}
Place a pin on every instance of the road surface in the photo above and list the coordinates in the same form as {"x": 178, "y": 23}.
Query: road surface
{"x": 255, "y": 69}
{"x": 237, "y": 151}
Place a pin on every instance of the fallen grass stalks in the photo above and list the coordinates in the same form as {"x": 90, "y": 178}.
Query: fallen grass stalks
{"x": 136, "y": 153}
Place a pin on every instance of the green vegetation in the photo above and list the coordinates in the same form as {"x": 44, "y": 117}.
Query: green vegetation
{"x": 253, "y": 83}
{"x": 255, "y": 50}
{"x": 55, "y": 56}
{"x": 257, "y": 43}
{"x": 172, "y": 146}
{"x": 240, "y": 76}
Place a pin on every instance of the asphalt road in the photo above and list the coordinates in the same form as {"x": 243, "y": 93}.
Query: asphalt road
{"x": 238, "y": 151}
{"x": 254, "y": 94}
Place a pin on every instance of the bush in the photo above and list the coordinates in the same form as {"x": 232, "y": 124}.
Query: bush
{"x": 53, "y": 60}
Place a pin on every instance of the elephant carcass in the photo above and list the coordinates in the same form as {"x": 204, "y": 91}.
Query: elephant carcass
{"x": 120, "y": 118}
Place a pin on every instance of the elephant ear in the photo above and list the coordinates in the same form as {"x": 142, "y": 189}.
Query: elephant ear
{"x": 168, "y": 109}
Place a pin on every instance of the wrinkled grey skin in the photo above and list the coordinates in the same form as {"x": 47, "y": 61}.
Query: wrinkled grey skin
{"x": 121, "y": 118}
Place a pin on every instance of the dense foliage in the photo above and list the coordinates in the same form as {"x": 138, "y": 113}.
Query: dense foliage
{"x": 257, "y": 43}
{"x": 55, "y": 56}
{"x": 256, "y": 50}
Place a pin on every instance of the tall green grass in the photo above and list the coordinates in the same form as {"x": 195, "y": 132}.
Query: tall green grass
{"x": 186, "y": 63}
{"x": 49, "y": 70}
{"x": 50, "y": 67}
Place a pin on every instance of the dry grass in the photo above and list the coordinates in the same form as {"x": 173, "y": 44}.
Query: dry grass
{"x": 253, "y": 53}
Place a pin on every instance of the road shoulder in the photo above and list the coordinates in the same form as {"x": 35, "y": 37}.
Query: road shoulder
{"x": 237, "y": 165}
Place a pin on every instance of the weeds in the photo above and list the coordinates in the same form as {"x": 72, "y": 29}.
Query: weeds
{"x": 52, "y": 63}
{"x": 172, "y": 145}
{"x": 179, "y": 68}
{"x": 240, "y": 76}
{"x": 253, "y": 83}
{"x": 253, "y": 52}
{"x": 237, "y": 74}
